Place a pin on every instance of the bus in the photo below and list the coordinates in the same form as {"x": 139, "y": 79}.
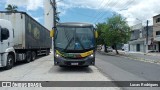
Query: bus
{"x": 74, "y": 44}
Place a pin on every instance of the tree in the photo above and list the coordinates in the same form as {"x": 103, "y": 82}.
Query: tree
{"x": 11, "y": 8}
{"x": 117, "y": 31}
{"x": 113, "y": 32}
{"x": 100, "y": 27}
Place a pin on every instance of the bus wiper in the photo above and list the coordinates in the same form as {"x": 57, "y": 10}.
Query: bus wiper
{"x": 80, "y": 43}
{"x": 68, "y": 44}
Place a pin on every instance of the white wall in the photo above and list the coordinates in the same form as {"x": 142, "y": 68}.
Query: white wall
{"x": 142, "y": 47}
{"x": 133, "y": 47}
{"x": 48, "y": 15}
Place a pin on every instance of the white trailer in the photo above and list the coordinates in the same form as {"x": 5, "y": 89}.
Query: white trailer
{"x": 21, "y": 38}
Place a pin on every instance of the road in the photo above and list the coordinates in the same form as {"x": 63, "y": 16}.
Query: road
{"x": 43, "y": 69}
{"x": 107, "y": 68}
{"x": 124, "y": 69}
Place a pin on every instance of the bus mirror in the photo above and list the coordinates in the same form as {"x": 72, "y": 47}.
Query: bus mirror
{"x": 52, "y": 33}
{"x": 96, "y": 34}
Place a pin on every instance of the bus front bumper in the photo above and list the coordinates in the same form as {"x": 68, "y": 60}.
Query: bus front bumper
{"x": 74, "y": 62}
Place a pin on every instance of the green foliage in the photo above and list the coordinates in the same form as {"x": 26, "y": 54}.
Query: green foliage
{"x": 100, "y": 30}
{"x": 118, "y": 30}
{"x": 11, "y": 8}
{"x": 114, "y": 31}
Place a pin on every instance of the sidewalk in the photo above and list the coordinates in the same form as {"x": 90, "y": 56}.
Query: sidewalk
{"x": 150, "y": 57}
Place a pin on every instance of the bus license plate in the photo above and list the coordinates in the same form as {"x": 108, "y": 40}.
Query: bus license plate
{"x": 75, "y": 64}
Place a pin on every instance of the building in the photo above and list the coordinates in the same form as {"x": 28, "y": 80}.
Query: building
{"x": 156, "y": 32}
{"x": 48, "y": 15}
{"x": 137, "y": 41}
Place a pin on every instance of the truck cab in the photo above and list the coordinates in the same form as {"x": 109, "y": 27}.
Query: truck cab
{"x": 7, "y": 53}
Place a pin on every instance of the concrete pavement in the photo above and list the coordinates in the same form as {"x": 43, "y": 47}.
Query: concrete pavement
{"x": 43, "y": 69}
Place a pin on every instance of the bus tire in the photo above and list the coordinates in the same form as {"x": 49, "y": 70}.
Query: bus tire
{"x": 62, "y": 66}
{"x": 86, "y": 66}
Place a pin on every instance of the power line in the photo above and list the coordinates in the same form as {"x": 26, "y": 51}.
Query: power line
{"x": 101, "y": 15}
{"x": 100, "y": 12}
{"x": 112, "y": 5}
{"x": 112, "y": 10}
{"x": 128, "y": 4}
{"x": 100, "y": 5}
{"x": 82, "y": 14}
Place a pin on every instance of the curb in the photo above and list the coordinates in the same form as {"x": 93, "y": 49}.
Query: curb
{"x": 133, "y": 58}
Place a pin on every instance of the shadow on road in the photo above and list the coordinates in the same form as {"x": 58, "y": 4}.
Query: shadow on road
{"x": 70, "y": 69}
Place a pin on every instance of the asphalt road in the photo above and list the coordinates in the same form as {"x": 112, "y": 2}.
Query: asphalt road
{"x": 123, "y": 69}
{"x": 108, "y": 68}
{"x": 43, "y": 69}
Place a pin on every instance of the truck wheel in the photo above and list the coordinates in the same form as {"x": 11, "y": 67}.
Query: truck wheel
{"x": 33, "y": 56}
{"x": 47, "y": 52}
{"x": 10, "y": 62}
{"x": 28, "y": 57}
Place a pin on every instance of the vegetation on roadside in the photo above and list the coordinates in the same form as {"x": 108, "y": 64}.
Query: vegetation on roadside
{"x": 11, "y": 8}
{"x": 113, "y": 32}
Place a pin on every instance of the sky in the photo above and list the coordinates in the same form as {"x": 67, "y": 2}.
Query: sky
{"x": 91, "y": 11}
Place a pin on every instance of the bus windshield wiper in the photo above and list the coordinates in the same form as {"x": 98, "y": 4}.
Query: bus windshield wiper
{"x": 80, "y": 43}
{"x": 68, "y": 44}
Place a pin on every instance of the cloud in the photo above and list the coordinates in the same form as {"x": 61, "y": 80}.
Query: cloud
{"x": 130, "y": 9}
{"x": 28, "y": 4}
{"x": 144, "y": 10}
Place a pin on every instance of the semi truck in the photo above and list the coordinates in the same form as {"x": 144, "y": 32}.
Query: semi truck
{"x": 74, "y": 44}
{"x": 22, "y": 38}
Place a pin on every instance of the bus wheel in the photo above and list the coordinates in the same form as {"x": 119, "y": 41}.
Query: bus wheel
{"x": 62, "y": 66}
{"x": 10, "y": 62}
{"x": 28, "y": 57}
{"x": 33, "y": 56}
{"x": 86, "y": 66}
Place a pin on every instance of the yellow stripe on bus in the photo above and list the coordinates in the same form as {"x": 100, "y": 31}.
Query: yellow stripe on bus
{"x": 86, "y": 53}
{"x": 82, "y": 54}
{"x": 57, "y": 52}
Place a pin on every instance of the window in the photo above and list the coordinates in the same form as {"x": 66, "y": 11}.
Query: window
{"x": 4, "y": 34}
{"x": 157, "y": 20}
{"x": 158, "y": 33}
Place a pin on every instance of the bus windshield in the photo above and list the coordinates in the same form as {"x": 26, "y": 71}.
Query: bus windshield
{"x": 78, "y": 38}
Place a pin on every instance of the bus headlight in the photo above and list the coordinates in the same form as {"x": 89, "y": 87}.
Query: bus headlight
{"x": 57, "y": 55}
{"x": 91, "y": 56}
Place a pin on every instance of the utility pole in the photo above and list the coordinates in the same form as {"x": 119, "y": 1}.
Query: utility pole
{"x": 147, "y": 37}
{"x": 53, "y": 3}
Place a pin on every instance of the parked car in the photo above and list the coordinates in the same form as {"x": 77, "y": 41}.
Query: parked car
{"x": 109, "y": 49}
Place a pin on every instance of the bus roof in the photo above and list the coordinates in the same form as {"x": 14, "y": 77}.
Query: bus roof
{"x": 75, "y": 24}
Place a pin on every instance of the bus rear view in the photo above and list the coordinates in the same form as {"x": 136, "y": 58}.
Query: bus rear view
{"x": 74, "y": 44}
